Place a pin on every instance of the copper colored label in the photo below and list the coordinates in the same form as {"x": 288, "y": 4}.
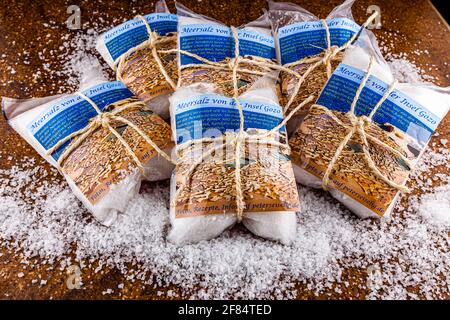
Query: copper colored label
{"x": 315, "y": 143}
{"x": 211, "y": 189}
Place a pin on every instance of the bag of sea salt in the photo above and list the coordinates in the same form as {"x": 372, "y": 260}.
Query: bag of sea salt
{"x": 202, "y": 36}
{"x": 101, "y": 138}
{"x": 142, "y": 52}
{"x": 310, "y": 47}
{"x": 233, "y": 165}
{"x": 365, "y": 133}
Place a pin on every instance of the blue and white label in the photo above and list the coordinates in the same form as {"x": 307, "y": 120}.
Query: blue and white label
{"x": 398, "y": 109}
{"x": 215, "y": 43}
{"x": 72, "y": 113}
{"x": 212, "y": 115}
{"x": 132, "y": 33}
{"x": 303, "y": 39}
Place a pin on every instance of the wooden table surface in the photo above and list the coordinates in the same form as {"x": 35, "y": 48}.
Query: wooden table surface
{"x": 26, "y": 26}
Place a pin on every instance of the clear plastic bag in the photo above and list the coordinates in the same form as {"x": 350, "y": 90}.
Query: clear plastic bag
{"x": 101, "y": 173}
{"x": 308, "y": 40}
{"x": 204, "y": 196}
{"x": 397, "y": 132}
{"x": 221, "y": 49}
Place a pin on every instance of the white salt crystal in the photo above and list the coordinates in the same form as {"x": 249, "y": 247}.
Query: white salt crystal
{"x": 107, "y": 291}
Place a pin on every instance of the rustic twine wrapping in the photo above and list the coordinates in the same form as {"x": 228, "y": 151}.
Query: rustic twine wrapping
{"x": 153, "y": 40}
{"x": 236, "y": 140}
{"x": 241, "y": 136}
{"x": 329, "y": 53}
{"x": 358, "y": 125}
{"x": 103, "y": 120}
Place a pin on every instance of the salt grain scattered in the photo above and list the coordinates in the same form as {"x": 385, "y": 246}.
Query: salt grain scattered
{"x": 108, "y": 291}
{"x": 329, "y": 241}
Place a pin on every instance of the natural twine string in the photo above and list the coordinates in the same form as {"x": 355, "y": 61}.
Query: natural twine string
{"x": 235, "y": 139}
{"x": 103, "y": 119}
{"x": 358, "y": 125}
{"x": 153, "y": 40}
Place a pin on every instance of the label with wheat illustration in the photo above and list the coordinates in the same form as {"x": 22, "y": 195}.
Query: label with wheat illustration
{"x": 101, "y": 160}
{"x": 301, "y": 41}
{"x": 400, "y": 123}
{"x": 216, "y": 43}
{"x": 266, "y": 175}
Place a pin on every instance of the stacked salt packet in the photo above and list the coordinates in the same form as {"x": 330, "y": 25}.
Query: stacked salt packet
{"x": 233, "y": 161}
{"x": 202, "y": 36}
{"x": 364, "y": 135}
{"x": 102, "y": 139}
{"x": 309, "y": 46}
{"x": 142, "y": 51}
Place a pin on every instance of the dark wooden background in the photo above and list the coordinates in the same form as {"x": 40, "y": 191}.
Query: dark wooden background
{"x": 32, "y": 26}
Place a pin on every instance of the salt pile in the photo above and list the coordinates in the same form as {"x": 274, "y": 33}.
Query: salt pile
{"x": 329, "y": 241}
{"x": 435, "y": 206}
{"x": 40, "y": 216}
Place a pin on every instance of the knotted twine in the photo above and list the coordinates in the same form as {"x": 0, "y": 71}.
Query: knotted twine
{"x": 329, "y": 53}
{"x": 235, "y": 139}
{"x": 358, "y": 125}
{"x": 103, "y": 119}
{"x": 153, "y": 40}
{"x": 243, "y": 136}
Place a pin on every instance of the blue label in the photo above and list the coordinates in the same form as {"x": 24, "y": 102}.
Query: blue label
{"x": 398, "y": 109}
{"x": 72, "y": 113}
{"x": 303, "y": 39}
{"x": 215, "y": 43}
{"x": 211, "y": 115}
{"x": 132, "y": 33}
